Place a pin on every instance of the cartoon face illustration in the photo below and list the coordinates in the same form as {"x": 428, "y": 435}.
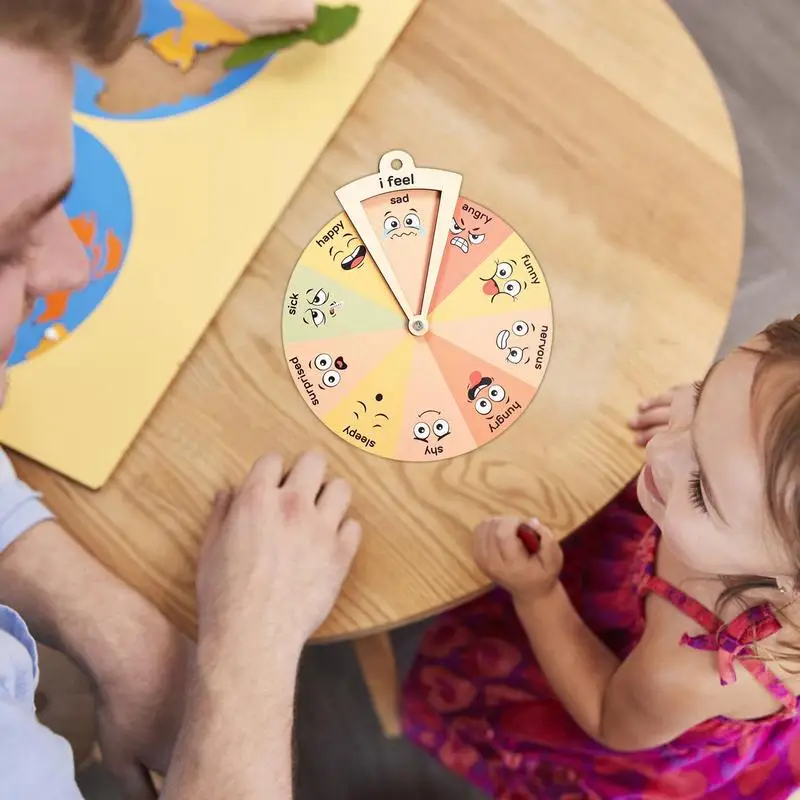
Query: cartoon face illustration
{"x": 489, "y": 398}
{"x": 331, "y": 370}
{"x": 364, "y": 414}
{"x": 431, "y": 424}
{"x": 348, "y": 252}
{"x": 410, "y": 225}
{"x": 515, "y": 354}
{"x": 503, "y": 282}
{"x": 466, "y": 236}
{"x": 320, "y": 307}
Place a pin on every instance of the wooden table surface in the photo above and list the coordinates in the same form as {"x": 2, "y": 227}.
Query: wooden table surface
{"x": 595, "y": 128}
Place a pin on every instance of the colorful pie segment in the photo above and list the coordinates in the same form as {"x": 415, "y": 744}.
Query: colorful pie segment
{"x": 429, "y": 398}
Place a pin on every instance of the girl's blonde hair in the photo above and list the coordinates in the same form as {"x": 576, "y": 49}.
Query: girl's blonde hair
{"x": 781, "y": 451}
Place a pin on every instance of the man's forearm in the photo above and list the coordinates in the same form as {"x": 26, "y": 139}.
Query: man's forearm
{"x": 236, "y": 740}
{"x": 578, "y": 666}
{"x": 72, "y": 602}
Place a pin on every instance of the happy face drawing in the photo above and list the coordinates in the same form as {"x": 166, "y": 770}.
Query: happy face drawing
{"x": 330, "y": 370}
{"x": 504, "y": 282}
{"x": 516, "y": 352}
{"x": 348, "y": 252}
{"x": 320, "y": 308}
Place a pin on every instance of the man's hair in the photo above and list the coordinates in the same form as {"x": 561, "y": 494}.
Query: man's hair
{"x": 98, "y": 31}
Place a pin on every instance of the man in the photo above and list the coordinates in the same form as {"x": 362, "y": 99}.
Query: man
{"x": 216, "y": 719}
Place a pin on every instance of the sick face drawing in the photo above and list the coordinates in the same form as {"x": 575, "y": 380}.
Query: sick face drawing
{"x": 516, "y": 353}
{"x": 320, "y": 307}
{"x": 362, "y": 413}
{"x": 503, "y": 282}
{"x": 431, "y": 424}
{"x": 489, "y": 398}
{"x": 348, "y": 252}
{"x": 330, "y": 370}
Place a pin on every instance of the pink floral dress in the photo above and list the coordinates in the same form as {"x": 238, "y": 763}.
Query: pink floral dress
{"x": 476, "y": 700}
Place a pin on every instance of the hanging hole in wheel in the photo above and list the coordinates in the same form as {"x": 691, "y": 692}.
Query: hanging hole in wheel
{"x": 396, "y": 163}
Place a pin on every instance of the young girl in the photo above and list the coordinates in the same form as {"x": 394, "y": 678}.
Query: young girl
{"x": 657, "y": 654}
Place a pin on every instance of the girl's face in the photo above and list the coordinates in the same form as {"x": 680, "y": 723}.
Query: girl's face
{"x": 703, "y": 480}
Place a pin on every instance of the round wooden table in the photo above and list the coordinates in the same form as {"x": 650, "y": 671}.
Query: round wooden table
{"x": 597, "y": 131}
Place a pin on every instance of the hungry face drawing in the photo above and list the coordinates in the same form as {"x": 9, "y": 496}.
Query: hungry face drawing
{"x": 348, "y": 252}
{"x": 489, "y": 398}
{"x": 362, "y": 412}
{"x": 503, "y": 282}
{"x": 321, "y": 307}
{"x": 516, "y": 352}
{"x": 330, "y": 370}
{"x": 431, "y": 424}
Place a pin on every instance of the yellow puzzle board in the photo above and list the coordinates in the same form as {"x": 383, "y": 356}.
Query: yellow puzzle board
{"x": 206, "y": 188}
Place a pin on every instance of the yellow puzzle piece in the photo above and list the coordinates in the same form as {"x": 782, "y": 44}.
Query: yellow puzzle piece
{"x": 200, "y": 29}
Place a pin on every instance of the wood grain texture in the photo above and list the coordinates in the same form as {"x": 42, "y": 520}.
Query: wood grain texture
{"x": 596, "y": 129}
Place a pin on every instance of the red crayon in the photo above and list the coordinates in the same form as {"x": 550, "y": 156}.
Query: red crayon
{"x": 529, "y": 538}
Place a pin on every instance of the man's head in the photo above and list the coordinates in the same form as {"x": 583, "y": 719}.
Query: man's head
{"x": 39, "y": 39}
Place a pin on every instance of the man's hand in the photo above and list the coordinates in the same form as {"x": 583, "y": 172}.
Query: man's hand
{"x": 140, "y": 711}
{"x": 276, "y": 555}
{"x": 270, "y": 570}
{"x": 261, "y": 17}
{"x": 137, "y": 661}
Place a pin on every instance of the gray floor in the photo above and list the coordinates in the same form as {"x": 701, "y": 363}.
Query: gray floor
{"x": 754, "y": 50}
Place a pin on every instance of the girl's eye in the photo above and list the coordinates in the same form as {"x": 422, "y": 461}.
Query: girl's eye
{"x": 477, "y": 238}
{"x": 391, "y": 224}
{"x": 504, "y": 270}
{"x": 412, "y": 221}
{"x": 696, "y": 493}
{"x": 454, "y": 227}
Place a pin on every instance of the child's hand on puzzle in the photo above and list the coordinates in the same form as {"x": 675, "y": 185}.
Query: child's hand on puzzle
{"x": 652, "y": 415}
{"x": 262, "y": 17}
{"x": 506, "y": 560}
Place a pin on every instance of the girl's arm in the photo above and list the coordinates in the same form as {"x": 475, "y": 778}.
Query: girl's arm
{"x": 652, "y": 697}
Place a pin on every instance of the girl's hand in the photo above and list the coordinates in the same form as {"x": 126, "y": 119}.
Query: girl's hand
{"x": 503, "y": 557}
{"x": 261, "y": 17}
{"x": 652, "y": 416}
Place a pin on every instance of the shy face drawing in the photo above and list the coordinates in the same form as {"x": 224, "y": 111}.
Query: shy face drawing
{"x": 489, "y": 399}
{"x": 517, "y": 352}
{"x": 368, "y": 414}
{"x": 320, "y": 307}
{"x": 431, "y": 427}
{"x": 348, "y": 251}
{"x": 504, "y": 282}
{"x": 330, "y": 370}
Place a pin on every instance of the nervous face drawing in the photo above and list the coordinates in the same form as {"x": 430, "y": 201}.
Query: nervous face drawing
{"x": 488, "y": 397}
{"x": 362, "y": 412}
{"x": 320, "y": 307}
{"x": 348, "y": 252}
{"x": 331, "y": 370}
{"x": 515, "y": 354}
{"x": 503, "y": 282}
{"x": 431, "y": 423}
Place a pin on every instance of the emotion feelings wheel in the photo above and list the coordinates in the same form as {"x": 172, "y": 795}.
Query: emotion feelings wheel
{"x": 349, "y": 332}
